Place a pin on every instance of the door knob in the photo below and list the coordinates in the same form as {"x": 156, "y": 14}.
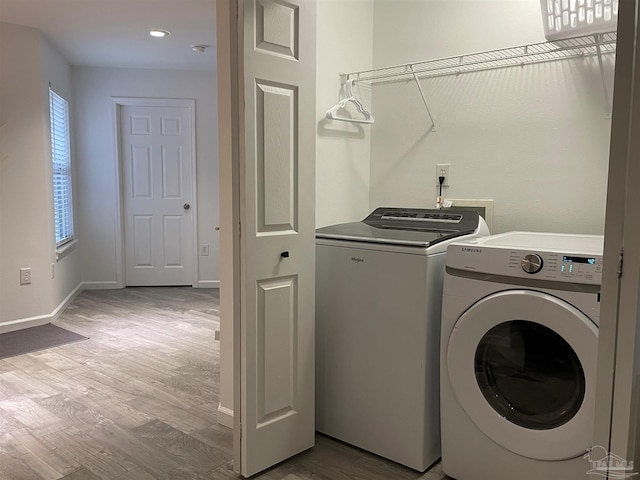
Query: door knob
{"x": 186, "y": 206}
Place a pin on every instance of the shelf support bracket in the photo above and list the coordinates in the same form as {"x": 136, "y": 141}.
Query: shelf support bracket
{"x": 424, "y": 99}
{"x": 608, "y": 103}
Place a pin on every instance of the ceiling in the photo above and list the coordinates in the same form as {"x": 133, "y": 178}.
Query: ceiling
{"x": 114, "y": 33}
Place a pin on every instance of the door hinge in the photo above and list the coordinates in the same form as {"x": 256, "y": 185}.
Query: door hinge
{"x": 620, "y": 261}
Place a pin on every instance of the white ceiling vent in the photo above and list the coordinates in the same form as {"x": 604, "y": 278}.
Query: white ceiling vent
{"x": 570, "y": 18}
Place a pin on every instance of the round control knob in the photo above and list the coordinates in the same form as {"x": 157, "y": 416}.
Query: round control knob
{"x": 531, "y": 263}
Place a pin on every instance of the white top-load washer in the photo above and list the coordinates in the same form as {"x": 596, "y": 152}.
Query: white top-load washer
{"x": 518, "y": 356}
{"x": 378, "y": 302}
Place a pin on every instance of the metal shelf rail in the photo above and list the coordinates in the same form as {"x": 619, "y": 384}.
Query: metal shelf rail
{"x": 584, "y": 46}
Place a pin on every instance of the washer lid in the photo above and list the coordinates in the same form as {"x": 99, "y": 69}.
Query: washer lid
{"x": 522, "y": 365}
{"x": 405, "y": 226}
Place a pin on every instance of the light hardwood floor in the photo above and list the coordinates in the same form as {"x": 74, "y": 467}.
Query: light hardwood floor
{"x": 138, "y": 400}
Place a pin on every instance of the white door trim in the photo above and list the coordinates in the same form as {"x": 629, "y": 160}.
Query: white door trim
{"x": 229, "y": 165}
{"x": 118, "y": 103}
{"x": 617, "y": 422}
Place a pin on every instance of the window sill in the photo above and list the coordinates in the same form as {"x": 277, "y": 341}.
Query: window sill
{"x": 65, "y": 249}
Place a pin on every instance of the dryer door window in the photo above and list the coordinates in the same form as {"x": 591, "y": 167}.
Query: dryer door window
{"x": 529, "y": 374}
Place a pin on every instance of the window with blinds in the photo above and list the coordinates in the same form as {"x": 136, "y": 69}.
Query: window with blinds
{"x": 61, "y": 157}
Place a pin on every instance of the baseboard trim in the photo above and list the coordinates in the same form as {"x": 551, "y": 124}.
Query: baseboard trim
{"x": 225, "y": 416}
{"x": 208, "y": 284}
{"x": 100, "y": 285}
{"x": 65, "y": 303}
{"x": 22, "y": 323}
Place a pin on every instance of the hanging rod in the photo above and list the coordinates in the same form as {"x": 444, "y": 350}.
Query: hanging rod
{"x": 583, "y": 46}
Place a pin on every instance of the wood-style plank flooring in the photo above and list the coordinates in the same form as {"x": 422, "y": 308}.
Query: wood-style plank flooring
{"x": 138, "y": 400}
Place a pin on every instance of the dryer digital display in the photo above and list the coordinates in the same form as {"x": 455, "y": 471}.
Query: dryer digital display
{"x": 572, "y": 259}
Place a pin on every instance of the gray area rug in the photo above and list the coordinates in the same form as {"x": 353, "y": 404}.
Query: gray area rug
{"x": 34, "y": 339}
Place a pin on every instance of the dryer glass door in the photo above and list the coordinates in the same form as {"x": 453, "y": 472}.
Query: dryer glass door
{"x": 529, "y": 374}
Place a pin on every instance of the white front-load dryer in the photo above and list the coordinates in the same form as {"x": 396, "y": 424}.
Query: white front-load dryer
{"x": 519, "y": 344}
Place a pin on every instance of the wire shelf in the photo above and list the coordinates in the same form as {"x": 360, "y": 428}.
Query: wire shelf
{"x": 583, "y": 46}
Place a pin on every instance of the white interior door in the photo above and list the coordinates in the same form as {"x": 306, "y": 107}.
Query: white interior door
{"x": 277, "y": 198}
{"x": 156, "y": 155}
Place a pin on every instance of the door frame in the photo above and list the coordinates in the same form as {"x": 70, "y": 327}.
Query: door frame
{"x": 617, "y": 422}
{"x": 118, "y": 103}
{"x": 229, "y": 131}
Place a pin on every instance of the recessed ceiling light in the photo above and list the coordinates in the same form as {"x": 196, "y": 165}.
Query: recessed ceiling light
{"x": 159, "y": 33}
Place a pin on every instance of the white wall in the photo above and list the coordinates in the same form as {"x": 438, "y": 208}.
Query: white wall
{"x": 27, "y": 234}
{"x": 56, "y": 72}
{"x": 95, "y": 151}
{"x": 345, "y": 43}
{"x": 535, "y": 139}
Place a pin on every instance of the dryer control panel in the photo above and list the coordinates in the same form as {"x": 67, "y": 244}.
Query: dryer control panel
{"x": 559, "y": 266}
{"x": 582, "y": 266}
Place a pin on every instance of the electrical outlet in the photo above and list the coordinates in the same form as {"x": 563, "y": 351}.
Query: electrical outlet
{"x": 204, "y": 250}
{"x": 25, "y": 276}
{"x": 443, "y": 170}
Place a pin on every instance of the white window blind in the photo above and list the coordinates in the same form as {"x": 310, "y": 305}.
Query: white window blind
{"x": 61, "y": 157}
